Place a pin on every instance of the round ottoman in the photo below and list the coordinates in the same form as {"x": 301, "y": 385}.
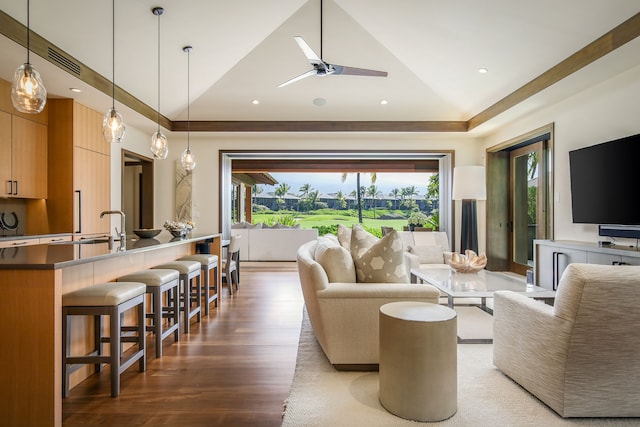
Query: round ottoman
{"x": 418, "y": 360}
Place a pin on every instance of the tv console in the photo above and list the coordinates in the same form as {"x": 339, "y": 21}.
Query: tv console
{"x": 551, "y": 257}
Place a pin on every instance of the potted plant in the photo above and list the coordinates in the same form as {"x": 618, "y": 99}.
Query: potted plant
{"x": 417, "y": 219}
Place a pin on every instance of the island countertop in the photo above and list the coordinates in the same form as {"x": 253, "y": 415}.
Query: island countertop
{"x": 33, "y": 280}
{"x": 66, "y": 254}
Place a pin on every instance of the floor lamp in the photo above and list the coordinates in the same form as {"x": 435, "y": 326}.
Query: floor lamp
{"x": 469, "y": 185}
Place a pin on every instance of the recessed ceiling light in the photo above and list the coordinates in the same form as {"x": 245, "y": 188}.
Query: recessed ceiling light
{"x": 255, "y": 102}
{"x": 483, "y": 70}
{"x": 319, "y": 102}
{"x": 75, "y": 89}
{"x": 384, "y": 102}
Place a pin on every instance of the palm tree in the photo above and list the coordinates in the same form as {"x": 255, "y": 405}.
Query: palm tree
{"x": 373, "y": 192}
{"x": 313, "y": 198}
{"x": 395, "y": 193}
{"x": 341, "y": 201}
{"x": 305, "y": 190}
{"x": 359, "y": 193}
{"x": 280, "y": 192}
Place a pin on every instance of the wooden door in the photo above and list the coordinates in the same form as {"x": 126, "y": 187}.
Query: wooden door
{"x": 92, "y": 191}
{"x": 29, "y": 158}
{"x": 5, "y": 150}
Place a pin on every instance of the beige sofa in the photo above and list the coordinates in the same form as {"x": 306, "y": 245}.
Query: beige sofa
{"x": 581, "y": 356}
{"x": 344, "y": 314}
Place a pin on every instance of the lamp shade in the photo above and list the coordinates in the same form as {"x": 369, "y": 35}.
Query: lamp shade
{"x": 469, "y": 182}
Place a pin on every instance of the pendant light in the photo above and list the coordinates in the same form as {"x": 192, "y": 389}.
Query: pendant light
{"x": 28, "y": 93}
{"x": 159, "y": 143}
{"x": 112, "y": 125}
{"x": 188, "y": 159}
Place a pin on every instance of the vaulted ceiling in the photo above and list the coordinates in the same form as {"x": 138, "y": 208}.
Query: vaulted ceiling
{"x": 243, "y": 49}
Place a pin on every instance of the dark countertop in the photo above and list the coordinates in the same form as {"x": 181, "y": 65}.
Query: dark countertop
{"x": 64, "y": 254}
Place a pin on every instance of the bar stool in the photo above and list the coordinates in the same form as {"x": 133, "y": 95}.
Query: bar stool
{"x": 231, "y": 264}
{"x": 160, "y": 282}
{"x": 111, "y": 299}
{"x": 208, "y": 263}
{"x": 190, "y": 291}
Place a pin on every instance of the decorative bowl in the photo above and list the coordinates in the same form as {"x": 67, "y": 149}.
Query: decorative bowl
{"x": 470, "y": 262}
{"x": 178, "y": 233}
{"x": 147, "y": 233}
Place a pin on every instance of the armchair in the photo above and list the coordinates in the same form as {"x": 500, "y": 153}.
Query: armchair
{"x": 580, "y": 356}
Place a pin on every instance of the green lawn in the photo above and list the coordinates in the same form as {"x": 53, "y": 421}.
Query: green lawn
{"x": 309, "y": 221}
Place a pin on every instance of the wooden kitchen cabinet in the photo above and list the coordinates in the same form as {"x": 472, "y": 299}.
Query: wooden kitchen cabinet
{"x": 23, "y": 167}
{"x": 79, "y": 170}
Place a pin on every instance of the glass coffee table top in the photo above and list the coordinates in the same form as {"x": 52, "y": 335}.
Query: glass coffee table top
{"x": 475, "y": 285}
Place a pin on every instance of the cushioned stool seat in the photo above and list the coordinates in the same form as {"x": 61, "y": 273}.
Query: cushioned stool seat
{"x": 111, "y": 299}
{"x": 160, "y": 282}
{"x": 208, "y": 264}
{"x": 190, "y": 292}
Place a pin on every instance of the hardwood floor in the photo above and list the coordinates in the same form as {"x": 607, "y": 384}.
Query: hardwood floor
{"x": 234, "y": 368}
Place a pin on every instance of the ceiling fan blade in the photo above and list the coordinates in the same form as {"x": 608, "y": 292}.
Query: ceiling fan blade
{"x": 352, "y": 71}
{"x": 308, "y": 52}
{"x": 300, "y": 77}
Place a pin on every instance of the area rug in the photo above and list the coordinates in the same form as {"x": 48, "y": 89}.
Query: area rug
{"x": 321, "y": 396}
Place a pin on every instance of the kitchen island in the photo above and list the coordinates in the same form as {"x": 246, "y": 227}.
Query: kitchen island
{"x": 32, "y": 281}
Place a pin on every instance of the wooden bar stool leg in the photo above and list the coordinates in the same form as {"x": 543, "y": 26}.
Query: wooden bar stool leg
{"x": 185, "y": 299}
{"x": 97, "y": 340}
{"x": 156, "y": 309}
{"x": 66, "y": 333}
{"x": 115, "y": 352}
{"x": 142, "y": 362}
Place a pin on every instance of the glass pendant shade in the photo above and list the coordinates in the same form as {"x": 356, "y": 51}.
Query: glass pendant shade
{"x": 159, "y": 146}
{"x": 113, "y": 126}
{"x": 188, "y": 160}
{"x": 28, "y": 93}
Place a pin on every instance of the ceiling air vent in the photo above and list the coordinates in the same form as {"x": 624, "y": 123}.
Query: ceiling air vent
{"x": 63, "y": 61}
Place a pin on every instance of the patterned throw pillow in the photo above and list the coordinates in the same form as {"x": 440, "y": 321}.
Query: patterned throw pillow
{"x": 381, "y": 262}
{"x": 361, "y": 240}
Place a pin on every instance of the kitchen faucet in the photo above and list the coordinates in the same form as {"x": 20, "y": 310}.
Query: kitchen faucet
{"x": 122, "y": 236}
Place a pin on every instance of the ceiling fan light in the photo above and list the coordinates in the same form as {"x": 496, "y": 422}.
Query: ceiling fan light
{"x": 159, "y": 145}
{"x": 188, "y": 160}
{"x": 28, "y": 93}
{"x": 113, "y": 127}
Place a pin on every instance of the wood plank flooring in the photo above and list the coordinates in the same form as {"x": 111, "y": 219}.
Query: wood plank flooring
{"x": 234, "y": 368}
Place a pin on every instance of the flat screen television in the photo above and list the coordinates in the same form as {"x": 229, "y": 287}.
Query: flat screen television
{"x": 605, "y": 182}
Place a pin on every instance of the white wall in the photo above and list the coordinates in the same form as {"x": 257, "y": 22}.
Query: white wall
{"x": 604, "y": 112}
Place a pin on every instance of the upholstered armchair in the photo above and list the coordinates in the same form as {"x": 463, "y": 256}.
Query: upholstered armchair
{"x": 580, "y": 356}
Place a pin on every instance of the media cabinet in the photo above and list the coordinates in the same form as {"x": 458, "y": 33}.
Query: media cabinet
{"x": 551, "y": 257}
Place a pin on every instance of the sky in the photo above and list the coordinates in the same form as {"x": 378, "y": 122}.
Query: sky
{"x": 332, "y": 182}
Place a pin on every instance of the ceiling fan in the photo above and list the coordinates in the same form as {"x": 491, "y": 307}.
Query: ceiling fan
{"x": 322, "y": 68}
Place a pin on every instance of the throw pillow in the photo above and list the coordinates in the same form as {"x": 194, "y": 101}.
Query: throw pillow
{"x": 382, "y": 262}
{"x": 335, "y": 260}
{"x": 361, "y": 240}
{"x": 428, "y": 254}
{"x": 344, "y": 236}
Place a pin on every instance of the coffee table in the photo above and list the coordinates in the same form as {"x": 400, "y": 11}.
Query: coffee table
{"x": 476, "y": 285}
